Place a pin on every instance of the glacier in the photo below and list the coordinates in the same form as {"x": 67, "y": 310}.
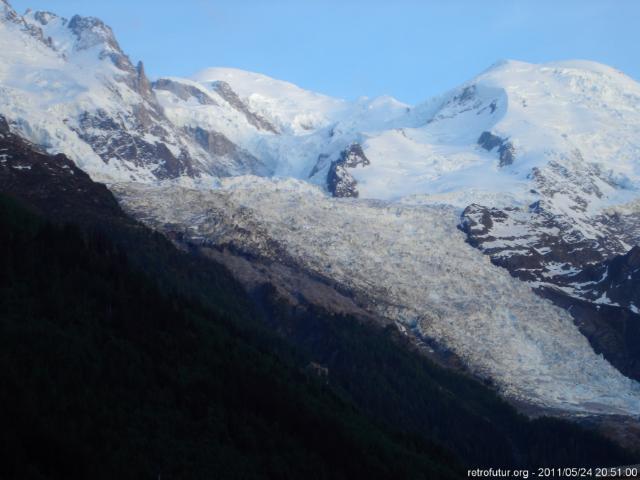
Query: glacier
{"x": 415, "y": 263}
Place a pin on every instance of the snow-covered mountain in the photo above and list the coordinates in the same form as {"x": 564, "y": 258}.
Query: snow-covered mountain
{"x": 539, "y": 166}
{"x": 292, "y": 130}
{"x": 556, "y": 143}
{"x": 485, "y": 137}
{"x": 68, "y": 86}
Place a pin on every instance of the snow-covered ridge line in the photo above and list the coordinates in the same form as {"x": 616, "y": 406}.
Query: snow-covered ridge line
{"x": 68, "y": 86}
{"x": 577, "y": 114}
{"x": 254, "y": 124}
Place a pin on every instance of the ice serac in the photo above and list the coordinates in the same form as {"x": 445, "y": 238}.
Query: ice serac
{"x": 409, "y": 264}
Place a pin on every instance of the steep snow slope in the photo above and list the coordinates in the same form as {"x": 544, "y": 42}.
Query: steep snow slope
{"x": 34, "y": 80}
{"x": 570, "y": 131}
{"x": 475, "y": 144}
{"x": 68, "y": 86}
{"x": 290, "y": 129}
{"x": 535, "y": 114}
{"x": 291, "y": 108}
{"x": 417, "y": 269}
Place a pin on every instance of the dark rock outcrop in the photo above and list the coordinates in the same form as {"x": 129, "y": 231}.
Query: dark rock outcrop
{"x": 44, "y": 17}
{"x": 32, "y": 175}
{"x": 112, "y": 140}
{"x": 599, "y": 289}
{"x": 339, "y": 181}
{"x": 8, "y": 14}
{"x": 233, "y": 159}
{"x": 141, "y": 83}
{"x": 184, "y": 91}
{"x": 467, "y": 95}
{"x": 506, "y": 150}
{"x": 620, "y": 281}
{"x": 612, "y": 331}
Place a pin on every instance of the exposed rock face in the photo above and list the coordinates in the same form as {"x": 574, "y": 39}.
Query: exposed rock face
{"x": 108, "y": 120}
{"x": 548, "y": 249}
{"x": 4, "y": 127}
{"x": 233, "y": 159}
{"x": 8, "y": 14}
{"x": 113, "y": 140}
{"x": 44, "y": 17}
{"x": 142, "y": 85}
{"x": 184, "y": 91}
{"x": 612, "y": 331}
{"x": 594, "y": 275}
{"x": 32, "y": 176}
{"x": 468, "y": 95}
{"x": 339, "y": 181}
{"x": 528, "y": 243}
{"x": 570, "y": 249}
{"x": 620, "y": 281}
{"x": 506, "y": 150}
{"x": 91, "y": 32}
{"x": 226, "y": 92}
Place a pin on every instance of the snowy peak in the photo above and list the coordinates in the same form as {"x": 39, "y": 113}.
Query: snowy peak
{"x": 91, "y": 32}
{"x": 286, "y": 106}
{"x": 250, "y": 83}
{"x": 80, "y": 37}
{"x": 505, "y": 134}
{"x": 482, "y": 142}
{"x": 69, "y": 87}
{"x": 44, "y": 18}
{"x": 540, "y": 154}
{"x": 7, "y": 12}
{"x": 9, "y": 16}
{"x": 515, "y": 92}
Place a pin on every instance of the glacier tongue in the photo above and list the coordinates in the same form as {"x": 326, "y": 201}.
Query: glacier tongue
{"x": 418, "y": 270}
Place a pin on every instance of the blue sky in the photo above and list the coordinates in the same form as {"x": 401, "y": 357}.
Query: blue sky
{"x": 408, "y": 48}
